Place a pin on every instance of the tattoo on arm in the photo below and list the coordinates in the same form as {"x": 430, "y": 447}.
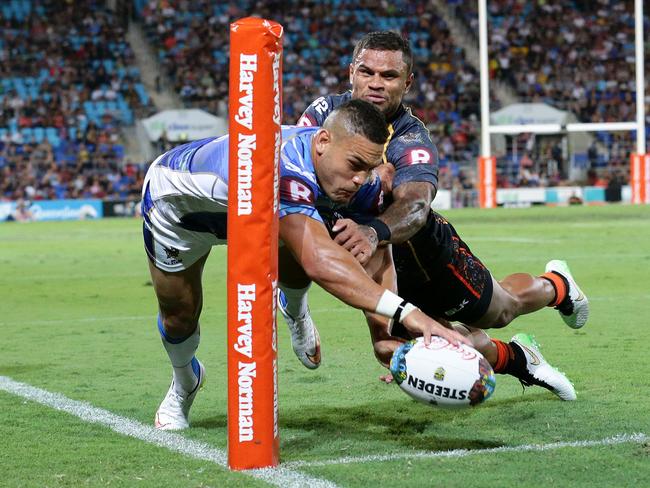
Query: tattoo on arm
{"x": 409, "y": 210}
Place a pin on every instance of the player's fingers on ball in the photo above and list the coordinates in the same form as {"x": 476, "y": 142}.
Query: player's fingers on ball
{"x": 427, "y": 337}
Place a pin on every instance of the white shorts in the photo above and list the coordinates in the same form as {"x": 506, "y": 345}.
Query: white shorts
{"x": 181, "y": 220}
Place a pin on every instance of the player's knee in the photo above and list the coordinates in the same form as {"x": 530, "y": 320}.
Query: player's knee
{"x": 502, "y": 319}
{"x": 503, "y": 308}
{"x": 179, "y": 323}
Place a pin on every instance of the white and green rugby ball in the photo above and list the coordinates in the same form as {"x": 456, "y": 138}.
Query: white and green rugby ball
{"x": 442, "y": 374}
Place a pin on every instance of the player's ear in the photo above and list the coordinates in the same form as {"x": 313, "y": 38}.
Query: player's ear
{"x": 409, "y": 82}
{"x": 351, "y": 72}
{"x": 321, "y": 140}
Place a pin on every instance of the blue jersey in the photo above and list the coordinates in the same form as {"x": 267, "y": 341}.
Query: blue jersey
{"x": 409, "y": 147}
{"x": 195, "y": 175}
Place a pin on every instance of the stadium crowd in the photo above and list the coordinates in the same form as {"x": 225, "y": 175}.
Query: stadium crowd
{"x": 70, "y": 84}
{"x": 192, "y": 41}
{"x": 575, "y": 55}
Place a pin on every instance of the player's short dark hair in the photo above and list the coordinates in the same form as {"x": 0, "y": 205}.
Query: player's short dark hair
{"x": 363, "y": 118}
{"x": 385, "y": 41}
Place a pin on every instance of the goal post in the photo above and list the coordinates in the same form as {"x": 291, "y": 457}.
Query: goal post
{"x": 255, "y": 94}
{"x": 639, "y": 160}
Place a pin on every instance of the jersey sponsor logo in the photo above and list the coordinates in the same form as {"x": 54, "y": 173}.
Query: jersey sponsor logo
{"x": 419, "y": 156}
{"x": 306, "y": 121}
{"x": 294, "y": 190}
{"x": 247, "y": 66}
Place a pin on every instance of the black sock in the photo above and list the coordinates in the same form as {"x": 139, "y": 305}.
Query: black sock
{"x": 517, "y": 365}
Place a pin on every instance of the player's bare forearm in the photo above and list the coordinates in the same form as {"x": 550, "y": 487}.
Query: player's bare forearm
{"x": 334, "y": 269}
{"x": 327, "y": 263}
{"x": 409, "y": 210}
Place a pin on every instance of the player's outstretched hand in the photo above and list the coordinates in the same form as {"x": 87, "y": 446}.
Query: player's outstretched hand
{"x": 418, "y": 323}
{"x": 360, "y": 240}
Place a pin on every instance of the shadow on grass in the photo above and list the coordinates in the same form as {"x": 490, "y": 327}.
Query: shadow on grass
{"x": 310, "y": 428}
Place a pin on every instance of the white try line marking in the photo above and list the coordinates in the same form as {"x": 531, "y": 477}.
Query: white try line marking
{"x": 286, "y": 475}
{"x": 282, "y": 476}
{"x": 460, "y": 453}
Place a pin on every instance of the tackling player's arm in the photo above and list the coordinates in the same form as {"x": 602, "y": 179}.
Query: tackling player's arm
{"x": 409, "y": 210}
{"x": 413, "y": 186}
{"x": 336, "y": 270}
{"x": 403, "y": 219}
{"x": 412, "y": 180}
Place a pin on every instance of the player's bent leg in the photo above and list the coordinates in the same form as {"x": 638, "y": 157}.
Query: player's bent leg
{"x": 531, "y": 293}
{"x": 573, "y": 304}
{"x": 517, "y": 294}
{"x": 180, "y": 297}
{"x": 180, "y": 300}
{"x": 503, "y": 308}
{"x": 292, "y": 303}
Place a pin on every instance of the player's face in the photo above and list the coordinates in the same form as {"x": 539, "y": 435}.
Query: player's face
{"x": 344, "y": 162}
{"x": 380, "y": 77}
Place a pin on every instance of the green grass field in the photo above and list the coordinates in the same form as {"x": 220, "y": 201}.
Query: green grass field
{"x": 77, "y": 318}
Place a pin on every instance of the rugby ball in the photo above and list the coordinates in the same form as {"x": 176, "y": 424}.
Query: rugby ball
{"x": 442, "y": 374}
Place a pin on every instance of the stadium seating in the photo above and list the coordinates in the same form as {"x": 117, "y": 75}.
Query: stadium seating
{"x": 70, "y": 82}
{"x": 71, "y": 85}
{"x": 575, "y": 55}
{"x": 319, "y": 39}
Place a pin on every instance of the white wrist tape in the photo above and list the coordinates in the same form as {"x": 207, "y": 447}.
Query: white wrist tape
{"x": 408, "y": 308}
{"x": 393, "y": 306}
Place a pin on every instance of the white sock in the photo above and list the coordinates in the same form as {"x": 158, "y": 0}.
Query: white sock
{"x": 295, "y": 300}
{"x": 181, "y": 354}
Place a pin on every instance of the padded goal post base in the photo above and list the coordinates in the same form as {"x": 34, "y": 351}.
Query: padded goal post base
{"x": 255, "y": 137}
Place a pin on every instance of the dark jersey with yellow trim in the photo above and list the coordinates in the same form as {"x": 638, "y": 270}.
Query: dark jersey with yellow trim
{"x": 409, "y": 147}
